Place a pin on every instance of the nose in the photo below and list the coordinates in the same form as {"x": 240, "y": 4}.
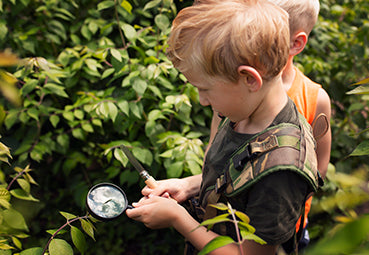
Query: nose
{"x": 203, "y": 99}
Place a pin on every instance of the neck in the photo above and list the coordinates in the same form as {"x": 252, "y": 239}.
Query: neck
{"x": 288, "y": 74}
{"x": 272, "y": 101}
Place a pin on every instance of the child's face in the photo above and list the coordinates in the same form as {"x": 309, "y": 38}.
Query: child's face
{"x": 229, "y": 99}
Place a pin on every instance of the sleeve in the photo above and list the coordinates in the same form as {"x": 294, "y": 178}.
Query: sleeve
{"x": 274, "y": 205}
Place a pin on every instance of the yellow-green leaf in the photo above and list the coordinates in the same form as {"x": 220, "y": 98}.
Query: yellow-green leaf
{"x": 68, "y": 216}
{"x": 14, "y": 219}
{"x": 60, "y": 247}
{"x": 88, "y": 228}
{"x": 78, "y": 239}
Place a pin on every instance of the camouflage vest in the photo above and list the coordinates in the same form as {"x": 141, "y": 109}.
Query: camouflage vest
{"x": 284, "y": 147}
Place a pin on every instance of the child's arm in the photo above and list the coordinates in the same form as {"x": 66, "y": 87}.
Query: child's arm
{"x": 324, "y": 143}
{"x": 158, "y": 212}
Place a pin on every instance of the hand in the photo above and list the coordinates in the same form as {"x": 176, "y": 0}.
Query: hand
{"x": 156, "y": 212}
{"x": 176, "y": 189}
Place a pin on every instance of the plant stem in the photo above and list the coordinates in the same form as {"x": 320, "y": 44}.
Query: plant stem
{"x": 14, "y": 179}
{"x": 237, "y": 230}
{"x": 57, "y": 231}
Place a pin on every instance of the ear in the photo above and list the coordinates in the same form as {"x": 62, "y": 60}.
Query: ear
{"x": 251, "y": 77}
{"x": 298, "y": 43}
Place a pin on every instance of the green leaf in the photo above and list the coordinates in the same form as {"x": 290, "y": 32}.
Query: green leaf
{"x": 24, "y": 185}
{"x": 116, "y": 54}
{"x": 216, "y": 243}
{"x": 11, "y": 118}
{"x": 79, "y": 114}
{"x": 175, "y": 169}
{"x": 17, "y": 242}
{"x": 361, "y": 90}
{"x": 194, "y": 167}
{"x": 135, "y": 109}
{"x": 68, "y": 216}
{"x": 56, "y": 89}
{"x": 126, "y": 6}
{"x": 78, "y": 239}
{"x": 120, "y": 156}
{"x": 54, "y": 120}
{"x": 249, "y": 236}
{"x": 245, "y": 226}
{"x": 162, "y": 21}
{"x": 33, "y": 113}
{"x": 60, "y": 247}
{"x": 113, "y": 110}
{"x": 88, "y": 228}
{"x": 5, "y": 194}
{"x": 107, "y": 73}
{"x": 21, "y": 194}
{"x": 68, "y": 115}
{"x": 155, "y": 114}
{"x": 218, "y": 219}
{"x": 219, "y": 206}
{"x": 53, "y": 231}
{"x": 5, "y": 247}
{"x": 105, "y": 5}
{"x": 32, "y": 251}
{"x": 361, "y": 150}
{"x": 242, "y": 216}
{"x": 140, "y": 86}
{"x": 124, "y": 106}
{"x": 3, "y": 28}
{"x": 14, "y": 219}
{"x": 86, "y": 126}
{"x": 5, "y": 203}
{"x": 143, "y": 155}
{"x": 151, "y": 4}
{"x": 129, "y": 32}
{"x": 361, "y": 82}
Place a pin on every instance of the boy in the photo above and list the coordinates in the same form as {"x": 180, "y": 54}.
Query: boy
{"x": 310, "y": 98}
{"x": 235, "y": 62}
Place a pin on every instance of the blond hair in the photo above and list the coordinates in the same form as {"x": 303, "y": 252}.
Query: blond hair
{"x": 216, "y": 37}
{"x": 303, "y": 14}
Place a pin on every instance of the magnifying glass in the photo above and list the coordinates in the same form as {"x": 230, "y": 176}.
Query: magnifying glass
{"x": 106, "y": 201}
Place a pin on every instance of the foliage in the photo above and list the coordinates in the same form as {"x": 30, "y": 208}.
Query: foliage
{"x": 336, "y": 56}
{"x": 241, "y": 222}
{"x": 13, "y": 226}
{"x": 92, "y": 75}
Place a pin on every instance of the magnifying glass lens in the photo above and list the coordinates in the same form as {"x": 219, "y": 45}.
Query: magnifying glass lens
{"x": 106, "y": 201}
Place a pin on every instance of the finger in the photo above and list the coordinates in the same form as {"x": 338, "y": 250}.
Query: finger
{"x": 165, "y": 195}
{"x": 158, "y": 191}
{"x": 133, "y": 213}
{"x": 142, "y": 199}
{"x": 146, "y": 191}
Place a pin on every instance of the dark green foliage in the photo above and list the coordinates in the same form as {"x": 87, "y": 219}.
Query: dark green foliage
{"x": 93, "y": 75}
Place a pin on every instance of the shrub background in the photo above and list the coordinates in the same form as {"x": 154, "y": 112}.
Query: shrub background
{"x": 93, "y": 75}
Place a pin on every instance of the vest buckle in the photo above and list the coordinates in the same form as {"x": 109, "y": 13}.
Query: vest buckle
{"x": 220, "y": 184}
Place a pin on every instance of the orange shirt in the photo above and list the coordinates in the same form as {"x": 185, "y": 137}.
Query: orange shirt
{"x": 304, "y": 93}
